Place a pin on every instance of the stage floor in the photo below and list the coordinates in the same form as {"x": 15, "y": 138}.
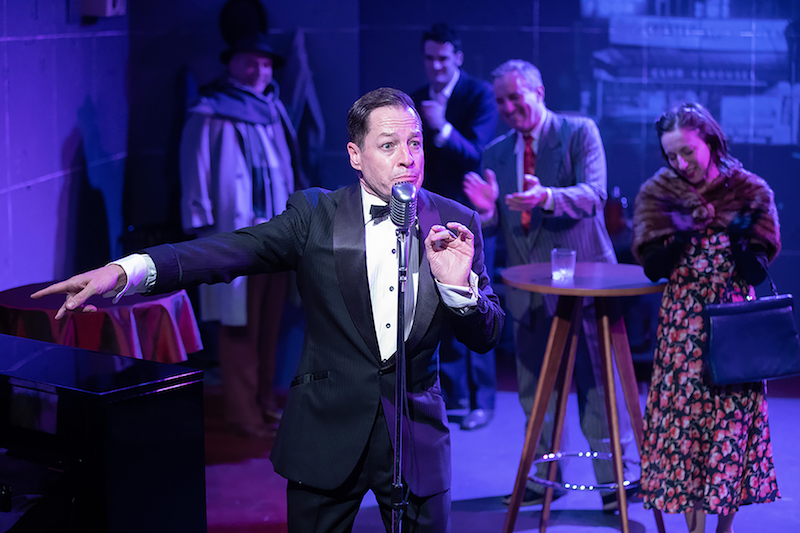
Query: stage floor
{"x": 245, "y": 495}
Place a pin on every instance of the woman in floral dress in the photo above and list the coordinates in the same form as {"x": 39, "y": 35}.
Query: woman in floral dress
{"x": 699, "y": 221}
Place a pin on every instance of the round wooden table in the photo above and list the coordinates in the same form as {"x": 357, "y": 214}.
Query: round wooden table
{"x": 604, "y": 282}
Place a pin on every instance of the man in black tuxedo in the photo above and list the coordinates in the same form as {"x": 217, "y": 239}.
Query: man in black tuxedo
{"x": 459, "y": 117}
{"x": 334, "y": 441}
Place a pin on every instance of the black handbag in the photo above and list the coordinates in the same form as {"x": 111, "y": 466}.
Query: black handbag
{"x": 753, "y": 340}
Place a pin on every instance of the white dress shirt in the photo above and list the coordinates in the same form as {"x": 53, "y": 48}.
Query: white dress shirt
{"x": 382, "y": 274}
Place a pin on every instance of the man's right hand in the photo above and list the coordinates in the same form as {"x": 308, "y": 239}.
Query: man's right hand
{"x": 433, "y": 114}
{"x": 81, "y": 287}
{"x": 482, "y": 193}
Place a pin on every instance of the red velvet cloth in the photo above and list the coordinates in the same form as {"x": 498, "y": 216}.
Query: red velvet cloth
{"x": 159, "y": 328}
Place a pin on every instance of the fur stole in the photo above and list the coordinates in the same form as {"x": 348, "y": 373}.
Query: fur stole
{"x": 667, "y": 204}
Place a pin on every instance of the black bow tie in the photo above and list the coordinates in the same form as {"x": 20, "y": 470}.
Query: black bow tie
{"x": 378, "y": 211}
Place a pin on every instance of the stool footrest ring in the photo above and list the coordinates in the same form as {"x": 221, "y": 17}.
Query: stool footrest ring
{"x": 557, "y": 456}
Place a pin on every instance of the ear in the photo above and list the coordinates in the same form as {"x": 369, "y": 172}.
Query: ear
{"x": 355, "y": 155}
{"x": 458, "y": 58}
{"x": 540, "y": 92}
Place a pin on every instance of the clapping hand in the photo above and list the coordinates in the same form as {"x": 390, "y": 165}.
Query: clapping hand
{"x": 483, "y": 193}
{"x": 534, "y": 195}
{"x": 81, "y": 287}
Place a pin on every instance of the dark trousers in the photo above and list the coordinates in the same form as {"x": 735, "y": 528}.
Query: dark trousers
{"x": 468, "y": 378}
{"x": 311, "y": 510}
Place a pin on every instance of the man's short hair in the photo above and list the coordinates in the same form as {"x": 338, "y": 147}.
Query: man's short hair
{"x": 442, "y": 33}
{"x": 358, "y": 116}
{"x": 526, "y": 69}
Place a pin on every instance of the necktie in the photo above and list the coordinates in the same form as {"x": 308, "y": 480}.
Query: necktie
{"x": 377, "y": 212}
{"x": 528, "y": 167}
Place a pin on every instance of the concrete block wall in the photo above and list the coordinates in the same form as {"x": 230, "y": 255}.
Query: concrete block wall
{"x": 63, "y": 137}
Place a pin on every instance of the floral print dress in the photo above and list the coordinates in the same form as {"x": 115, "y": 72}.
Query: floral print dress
{"x": 702, "y": 443}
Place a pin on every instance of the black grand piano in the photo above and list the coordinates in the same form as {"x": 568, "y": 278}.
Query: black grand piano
{"x": 92, "y": 442}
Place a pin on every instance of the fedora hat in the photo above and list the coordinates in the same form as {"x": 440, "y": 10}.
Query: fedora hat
{"x": 257, "y": 43}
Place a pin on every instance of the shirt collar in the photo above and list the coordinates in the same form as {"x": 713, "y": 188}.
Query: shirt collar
{"x": 536, "y": 133}
{"x": 448, "y": 89}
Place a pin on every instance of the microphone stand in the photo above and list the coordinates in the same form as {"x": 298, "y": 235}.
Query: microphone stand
{"x": 399, "y": 504}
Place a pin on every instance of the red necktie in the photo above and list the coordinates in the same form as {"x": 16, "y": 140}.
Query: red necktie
{"x": 528, "y": 167}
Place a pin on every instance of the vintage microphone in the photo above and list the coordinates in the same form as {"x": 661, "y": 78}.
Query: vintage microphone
{"x": 403, "y": 212}
{"x": 403, "y": 206}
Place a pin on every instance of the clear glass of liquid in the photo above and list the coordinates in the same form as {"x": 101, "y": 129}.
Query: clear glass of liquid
{"x": 562, "y": 263}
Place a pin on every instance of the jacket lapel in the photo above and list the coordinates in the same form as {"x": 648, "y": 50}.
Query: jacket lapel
{"x": 427, "y": 296}
{"x": 350, "y": 255}
{"x": 506, "y": 167}
{"x": 549, "y": 155}
{"x": 454, "y": 104}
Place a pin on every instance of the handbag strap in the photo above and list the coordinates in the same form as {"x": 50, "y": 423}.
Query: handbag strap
{"x": 729, "y": 288}
{"x": 771, "y": 283}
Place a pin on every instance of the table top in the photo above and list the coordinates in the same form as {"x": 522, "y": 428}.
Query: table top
{"x": 591, "y": 279}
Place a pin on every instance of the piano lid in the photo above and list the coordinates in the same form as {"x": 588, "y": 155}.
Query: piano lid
{"x": 26, "y": 361}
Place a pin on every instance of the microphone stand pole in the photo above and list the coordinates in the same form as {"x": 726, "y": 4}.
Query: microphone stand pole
{"x": 399, "y": 504}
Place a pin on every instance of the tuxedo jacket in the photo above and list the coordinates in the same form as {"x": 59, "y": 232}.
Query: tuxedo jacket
{"x": 570, "y": 159}
{"x": 340, "y": 382}
{"x": 472, "y": 111}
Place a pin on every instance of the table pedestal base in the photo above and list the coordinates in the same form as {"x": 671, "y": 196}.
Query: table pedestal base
{"x": 564, "y": 331}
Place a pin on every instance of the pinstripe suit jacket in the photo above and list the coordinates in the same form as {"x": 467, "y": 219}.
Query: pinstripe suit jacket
{"x": 571, "y": 160}
{"x": 341, "y": 379}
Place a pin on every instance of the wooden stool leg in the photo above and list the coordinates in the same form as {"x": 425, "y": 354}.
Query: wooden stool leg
{"x": 604, "y": 334}
{"x": 627, "y": 375}
{"x": 559, "y": 333}
{"x": 565, "y": 383}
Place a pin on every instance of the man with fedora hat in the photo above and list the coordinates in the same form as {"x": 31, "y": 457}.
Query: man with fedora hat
{"x": 239, "y": 164}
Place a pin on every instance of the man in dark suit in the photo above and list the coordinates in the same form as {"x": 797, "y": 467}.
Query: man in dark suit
{"x": 545, "y": 185}
{"x": 334, "y": 441}
{"x": 459, "y": 118}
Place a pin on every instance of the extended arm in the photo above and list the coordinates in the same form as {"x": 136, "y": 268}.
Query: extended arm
{"x": 270, "y": 247}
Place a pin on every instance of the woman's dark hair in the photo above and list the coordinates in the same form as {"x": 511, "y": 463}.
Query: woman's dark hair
{"x": 693, "y": 116}
{"x": 358, "y": 117}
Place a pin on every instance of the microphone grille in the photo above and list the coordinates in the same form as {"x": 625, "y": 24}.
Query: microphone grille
{"x": 403, "y": 205}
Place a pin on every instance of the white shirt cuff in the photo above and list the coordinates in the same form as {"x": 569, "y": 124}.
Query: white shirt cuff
{"x": 460, "y": 297}
{"x": 443, "y": 135}
{"x": 550, "y": 202}
{"x": 140, "y": 271}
